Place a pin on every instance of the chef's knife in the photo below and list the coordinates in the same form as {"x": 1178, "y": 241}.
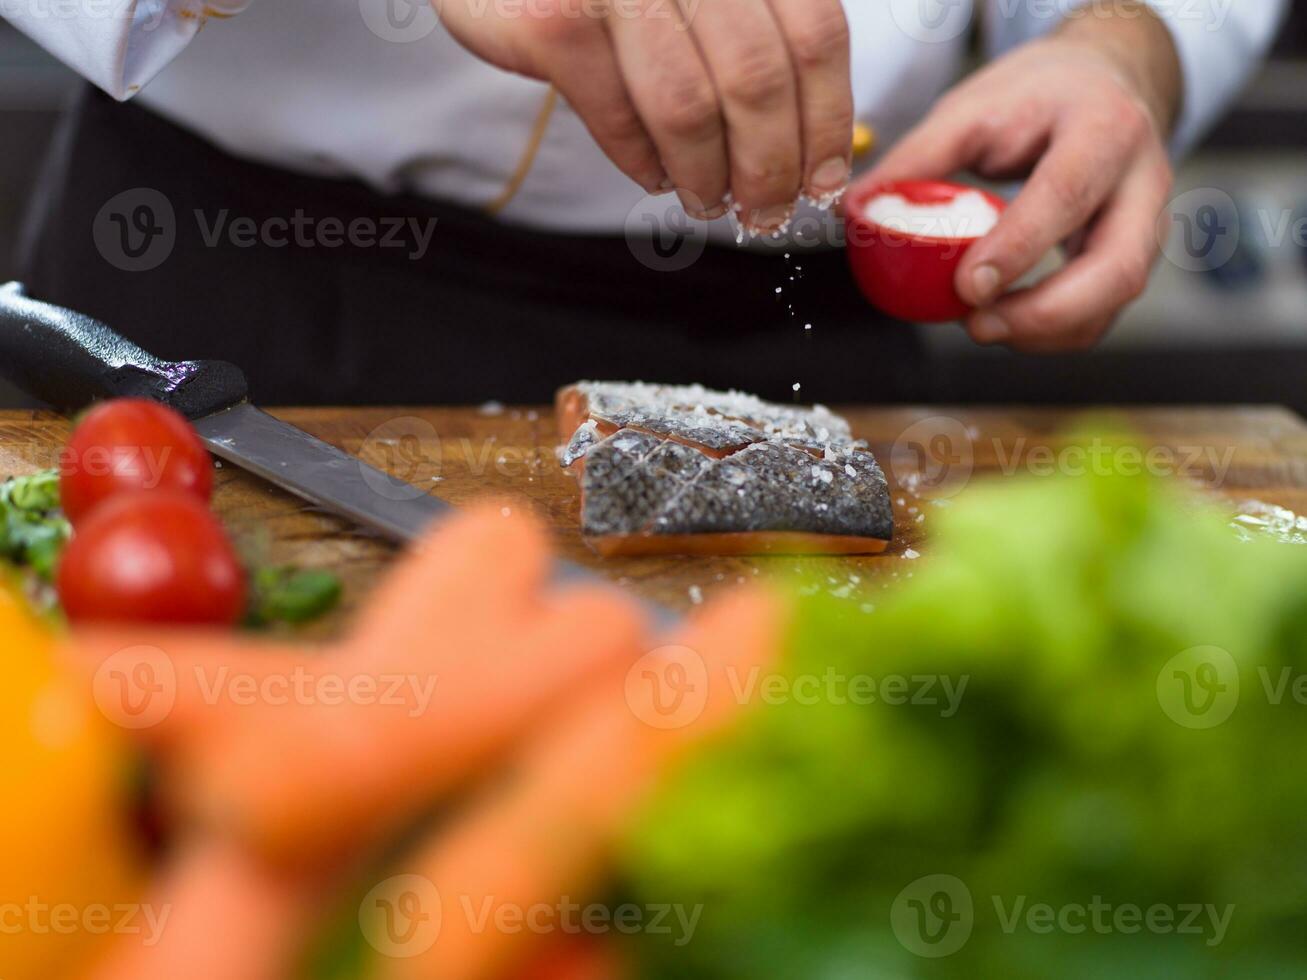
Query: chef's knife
{"x": 69, "y": 360}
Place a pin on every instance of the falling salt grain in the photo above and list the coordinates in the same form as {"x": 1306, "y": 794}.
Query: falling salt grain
{"x": 910, "y": 554}
{"x": 696, "y": 594}
{"x": 797, "y": 385}
{"x": 506, "y": 511}
{"x": 491, "y": 408}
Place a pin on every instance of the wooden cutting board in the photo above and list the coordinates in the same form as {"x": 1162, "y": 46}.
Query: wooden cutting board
{"x": 1254, "y": 458}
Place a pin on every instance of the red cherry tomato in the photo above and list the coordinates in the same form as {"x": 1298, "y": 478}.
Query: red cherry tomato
{"x": 154, "y": 556}
{"x": 131, "y": 444}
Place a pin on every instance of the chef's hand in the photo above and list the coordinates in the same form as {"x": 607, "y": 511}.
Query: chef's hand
{"x": 705, "y": 96}
{"x": 1085, "y": 113}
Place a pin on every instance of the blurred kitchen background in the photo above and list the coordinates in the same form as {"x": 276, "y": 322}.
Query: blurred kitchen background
{"x": 1225, "y": 319}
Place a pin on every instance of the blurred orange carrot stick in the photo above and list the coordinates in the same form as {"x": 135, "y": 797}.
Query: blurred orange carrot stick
{"x": 169, "y": 686}
{"x": 216, "y": 914}
{"x": 414, "y": 716}
{"x": 546, "y": 836}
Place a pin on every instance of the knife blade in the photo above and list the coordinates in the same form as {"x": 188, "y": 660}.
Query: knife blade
{"x": 318, "y": 472}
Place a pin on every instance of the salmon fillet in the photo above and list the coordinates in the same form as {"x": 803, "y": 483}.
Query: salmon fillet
{"x": 682, "y": 469}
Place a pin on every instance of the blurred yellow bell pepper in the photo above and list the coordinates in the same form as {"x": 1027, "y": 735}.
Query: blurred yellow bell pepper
{"x": 69, "y": 870}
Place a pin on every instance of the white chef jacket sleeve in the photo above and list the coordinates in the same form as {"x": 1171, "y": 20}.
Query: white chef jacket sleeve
{"x": 117, "y": 44}
{"x": 1220, "y": 43}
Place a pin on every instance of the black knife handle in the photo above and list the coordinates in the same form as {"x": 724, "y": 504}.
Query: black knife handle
{"x": 69, "y": 360}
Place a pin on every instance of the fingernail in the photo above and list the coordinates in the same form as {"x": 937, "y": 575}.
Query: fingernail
{"x": 986, "y": 281}
{"x": 989, "y": 328}
{"x": 666, "y": 186}
{"x": 773, "y": 219}
{"x": 712, "y": 214}
{"x": 831, "y": 175}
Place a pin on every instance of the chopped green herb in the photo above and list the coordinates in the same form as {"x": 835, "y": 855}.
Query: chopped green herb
{"x": 33, "y": 531}
{"x": 286, "y": 594}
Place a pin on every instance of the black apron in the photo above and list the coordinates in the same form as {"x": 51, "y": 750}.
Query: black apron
{"x": 326, "y": 292}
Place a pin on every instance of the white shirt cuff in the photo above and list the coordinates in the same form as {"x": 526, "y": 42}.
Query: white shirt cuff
{"x": 119, "y": 45}
{"x": 1220, "y": 43}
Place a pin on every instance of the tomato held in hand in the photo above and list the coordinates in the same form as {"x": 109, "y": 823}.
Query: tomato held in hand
{"x": 156, "y": 556}
{"x": 131, "y": 444}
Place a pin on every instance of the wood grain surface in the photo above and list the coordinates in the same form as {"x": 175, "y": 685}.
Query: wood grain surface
{"x": 1249, "y": 457}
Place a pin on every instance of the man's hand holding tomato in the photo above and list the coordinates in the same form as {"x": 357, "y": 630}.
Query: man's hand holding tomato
{"x": 753, "y": 97}
{"x": 1085, "y": 114}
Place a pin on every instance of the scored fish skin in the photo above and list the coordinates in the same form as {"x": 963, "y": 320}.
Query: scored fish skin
{"x": 773, "y": 487}
{"x": 631, "y": 503}
{"x": 689, "y": 465}
{"x": 608, "y": 501}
